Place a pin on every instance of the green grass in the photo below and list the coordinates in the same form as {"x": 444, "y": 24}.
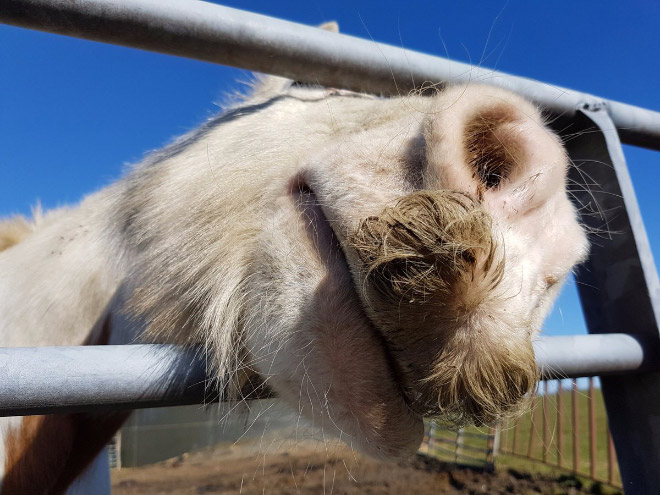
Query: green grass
{"x": 543, "y": 456}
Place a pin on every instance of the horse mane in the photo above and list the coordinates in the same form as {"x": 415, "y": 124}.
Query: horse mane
{"x": 14, "y": 230}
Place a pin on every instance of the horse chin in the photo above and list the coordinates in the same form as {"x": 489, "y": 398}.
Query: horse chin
{"x": 310, "y": 339}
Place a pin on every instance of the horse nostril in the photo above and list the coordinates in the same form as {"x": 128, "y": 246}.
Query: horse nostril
{"x": 433, "y": 249}
{"x": 430, "y": 267}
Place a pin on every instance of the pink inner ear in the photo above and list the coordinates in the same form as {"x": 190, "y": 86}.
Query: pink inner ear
{"x": 518, "y": 162}
{"x": 331, "y": 26}
{"x": 493, "y": 147}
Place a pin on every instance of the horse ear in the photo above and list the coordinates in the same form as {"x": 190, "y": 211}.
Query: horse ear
{"x": 266, "y": 86}
{"x": 494, "y": 146}
{"x": 331, "y": 26}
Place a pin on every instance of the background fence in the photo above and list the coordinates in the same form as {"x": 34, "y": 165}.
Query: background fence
{"x": 470, "y": 446}
{"x": 566, "y": 429}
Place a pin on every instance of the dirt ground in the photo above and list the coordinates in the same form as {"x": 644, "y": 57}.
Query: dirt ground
{"x": 307, "y": 467}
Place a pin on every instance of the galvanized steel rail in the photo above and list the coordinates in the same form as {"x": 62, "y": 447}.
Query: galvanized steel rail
{"x": 223, "y": 35}
{"x": 47, "y": 380}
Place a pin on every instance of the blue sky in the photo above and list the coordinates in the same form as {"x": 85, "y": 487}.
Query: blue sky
{"x": 73, "y": 113}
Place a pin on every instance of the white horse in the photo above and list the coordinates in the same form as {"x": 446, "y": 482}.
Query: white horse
{"x": 373, "y": 260}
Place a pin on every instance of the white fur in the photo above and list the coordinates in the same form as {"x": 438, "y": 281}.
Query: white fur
{"x": 212, "y": 235}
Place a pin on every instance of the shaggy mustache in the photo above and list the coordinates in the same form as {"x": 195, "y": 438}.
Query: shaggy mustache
{"x": 430, "y": 248}
{"x": 430, "y": 268}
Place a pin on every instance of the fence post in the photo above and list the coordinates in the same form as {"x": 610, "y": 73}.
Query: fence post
{"x": 515, "y": 436}
{"x": 432, "y": 434}
{"x": 504, "y": 437}
{"x": 532, "y": 429}
{"x": 490, "y": 448}
{"x": 592, "y": 430}
{"x": 618, "y": 287}
{"x": 546, "y": 447}
{"x": 459, "y": 445}
{"x": 576, "y": 427}
{"x": 560, "y": 424}
{"x": 497, "y": 438}
{"x": 611, "y": 458}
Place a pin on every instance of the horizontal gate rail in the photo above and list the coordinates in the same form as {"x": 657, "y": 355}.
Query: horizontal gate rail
{"x": 595, "y": 355}
{"x": 47, "y": 380}
{"x": 223, "y": 35}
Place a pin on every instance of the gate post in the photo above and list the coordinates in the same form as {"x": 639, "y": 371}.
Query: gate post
{"x": 619, "y": 289}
